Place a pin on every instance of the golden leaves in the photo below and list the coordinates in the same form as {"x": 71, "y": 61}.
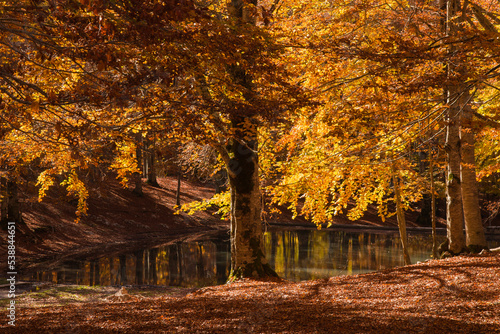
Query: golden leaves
{"x": 45, "y": 181}
{"x": 77, "y": 188}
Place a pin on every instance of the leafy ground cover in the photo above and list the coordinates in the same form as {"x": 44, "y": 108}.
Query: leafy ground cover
{"x": 455, "y": 295}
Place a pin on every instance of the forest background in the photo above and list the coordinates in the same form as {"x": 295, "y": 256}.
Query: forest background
{"x": 320, "y": 107}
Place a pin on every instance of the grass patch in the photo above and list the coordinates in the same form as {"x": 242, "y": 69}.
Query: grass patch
{"x": 59, "y": 295}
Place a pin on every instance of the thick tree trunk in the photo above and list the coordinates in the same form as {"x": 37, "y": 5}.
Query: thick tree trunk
{"x": 454, "y": 208}
{"x": 247, "y": 256}
{"x": 475, "y": 237}
{"x": 462, "y": 190}
{"x": 454, "y": 212}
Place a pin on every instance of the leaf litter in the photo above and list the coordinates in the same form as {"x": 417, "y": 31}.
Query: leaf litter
{"x": 455, "y": 295}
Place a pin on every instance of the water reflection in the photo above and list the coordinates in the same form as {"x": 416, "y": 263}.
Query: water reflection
{"x": 182, "y": 264}
{"x": 295, "y": 255}
{"x": 320, "y": 254}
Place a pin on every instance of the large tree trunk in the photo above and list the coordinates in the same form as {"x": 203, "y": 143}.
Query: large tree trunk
{"x": 247, "y": 256}
{"x": 454, "y": 211}
{"x": 475, "y": 237}
{"x": 460, "y": 147}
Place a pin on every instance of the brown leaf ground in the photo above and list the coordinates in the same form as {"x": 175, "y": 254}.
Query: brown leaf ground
{"x": 457, "y": 295}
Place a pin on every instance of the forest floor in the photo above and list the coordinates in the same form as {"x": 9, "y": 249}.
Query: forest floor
{"x": 455, "y": 295}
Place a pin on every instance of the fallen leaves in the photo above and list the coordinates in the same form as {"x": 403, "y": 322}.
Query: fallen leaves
{"x": 456, "y": 295}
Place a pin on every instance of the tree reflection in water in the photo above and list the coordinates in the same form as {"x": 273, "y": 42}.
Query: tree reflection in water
{"x": 295, "y": 255}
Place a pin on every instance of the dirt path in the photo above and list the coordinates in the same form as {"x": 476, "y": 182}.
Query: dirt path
{"x": 457, "y": 295}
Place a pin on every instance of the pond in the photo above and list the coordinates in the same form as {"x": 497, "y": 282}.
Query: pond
{"x": 294, "y": 254}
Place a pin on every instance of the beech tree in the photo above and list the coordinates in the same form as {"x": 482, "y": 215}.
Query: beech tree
{"x": 461, "y": 180}
{"x": 379, "y": 68}
{"x": 109, "y": 67}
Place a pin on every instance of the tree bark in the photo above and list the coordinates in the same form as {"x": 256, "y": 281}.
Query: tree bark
{"x": 460, "y": 148}
{"x": 454, "y": 212}
{"x": 138, "y": 175}
{"x": 454, "y": 207}
{"x": 401, "y": 218}
{"x": 247, "y": 255}
{"x": 475, "y": 237}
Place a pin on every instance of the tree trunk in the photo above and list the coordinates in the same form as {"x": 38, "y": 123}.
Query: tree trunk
{"x": 242, "y": 165}
{"x": 454, "y": 212}
{"x": 247, "y": 256}
{"x": 138, "y": 175}
{"x": 151, "y": 164}
{"x": 401, "y": 218}
{"x": 454, "y": 208}
{"x": 475, "y": 237}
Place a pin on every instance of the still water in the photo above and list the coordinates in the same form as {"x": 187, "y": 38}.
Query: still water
{"x": 295, "y": 256}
